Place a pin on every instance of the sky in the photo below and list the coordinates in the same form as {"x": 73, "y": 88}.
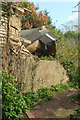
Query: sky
{"x": 60, "y": 12}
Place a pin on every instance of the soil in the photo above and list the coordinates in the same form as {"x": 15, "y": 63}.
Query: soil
{"x": 61, "y": 107}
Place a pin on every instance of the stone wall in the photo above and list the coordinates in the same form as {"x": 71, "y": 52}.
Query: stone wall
{"x": 3, "y": 31}
{"x": 43, "y": 73}
{"x": 28, "y": 69}
{"x": 35, "y": 73}
{"x": 15, "y": 26}
{"x": 3, "y": 36}
{"x": 10, "y": 35}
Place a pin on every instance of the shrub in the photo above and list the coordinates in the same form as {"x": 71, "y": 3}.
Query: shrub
{"x": 75, "y": 97}
{"x": 34, "y": 98}
{"x": 77, "y": 112}
{"x": 72, "y": 72}
{"x": 45, "y": 94}
{"x": 13, "y": 104}
{"x": 76, "y": 115}
{"x": 30, "y": 99}
{"x": 15, "y": 101}
{"x": 71, "y": 34}
{"x": 60, "y": 87}
{"x": 47, "y": 57}
{"x": 67, "y": 53}
{"x": 30, "y": 18}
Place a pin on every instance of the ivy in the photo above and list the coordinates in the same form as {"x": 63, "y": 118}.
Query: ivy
{"x": 13, "y": 105}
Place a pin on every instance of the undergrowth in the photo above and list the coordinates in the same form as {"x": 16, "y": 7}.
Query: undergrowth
{"x": 50, "y": 57}
{"x": 75, "y": 97}
{"x": 60, "y": 87}
{"x": 76, "y": 115}
{"x": 13, "y": 104}
{"x": 15, "y": 101}
{"x": 67, "y": 54}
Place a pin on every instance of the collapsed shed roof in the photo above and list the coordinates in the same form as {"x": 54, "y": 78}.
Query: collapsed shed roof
{"x": 31, "y": 34}
{"x": 44, "y": 36}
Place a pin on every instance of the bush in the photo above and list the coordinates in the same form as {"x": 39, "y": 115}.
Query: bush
{"x": 76, "y": 115}
{"x": 71, "y": 34}
{"x": 13, "y": 104}
{"x": 77, "y": 112}
{"x": 67, "y": 53}
{"x": 45, "y": 94}
{"x": 47, "y": 57}
{"x": 72, "y": 72}
{"x": 34, "y": 98}
{"x": 15, "y": 101}
{"x": 75, "y": 97}
{"x": 60, "y": 87}
{"x": 30, "y": 99}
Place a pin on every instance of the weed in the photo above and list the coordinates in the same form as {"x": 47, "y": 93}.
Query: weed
{"x": 45, "y": 94}
{"x": 47, "y": 57}
{"x": 30, "y": 99}
{"x": 77, "y": 112}
{"x": 76, "y": 115}
{"x": 13, "y": 104}
{"x": 15, "y": 101}
{"x": 75, "y": 97}
{"x": 60, "y": 87}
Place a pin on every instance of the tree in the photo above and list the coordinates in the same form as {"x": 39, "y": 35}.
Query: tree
{"x": 33, "y": 19}
{"x": 30, "y": 18}
{"x": 49, "y": 18}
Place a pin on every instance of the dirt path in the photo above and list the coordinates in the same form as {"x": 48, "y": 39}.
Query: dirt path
{"x": 60, "y": 107}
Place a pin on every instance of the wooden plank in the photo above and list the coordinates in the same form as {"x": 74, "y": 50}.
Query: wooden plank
{"x": 29, "y": 114}
{"x": 34, "y": 46}
{"x": 42, "y": 29}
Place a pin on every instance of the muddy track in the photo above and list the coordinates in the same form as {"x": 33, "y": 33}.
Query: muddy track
{"x": 61, "y": 107}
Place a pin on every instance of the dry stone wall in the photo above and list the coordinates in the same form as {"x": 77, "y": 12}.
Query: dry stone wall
{"x": 28, "y": 69}
{"x": 35, "y": 73}
{"x": 43, "y": 74}
{"x": 3, "y": 36}
{"x": 3, "y": 31}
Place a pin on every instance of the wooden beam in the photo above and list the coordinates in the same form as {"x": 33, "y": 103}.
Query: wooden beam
{"x": 29, "y": 114}
{"x": 42, "y": 29}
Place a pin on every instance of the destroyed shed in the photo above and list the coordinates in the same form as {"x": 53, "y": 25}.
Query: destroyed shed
{"x": 42, "y": 41}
